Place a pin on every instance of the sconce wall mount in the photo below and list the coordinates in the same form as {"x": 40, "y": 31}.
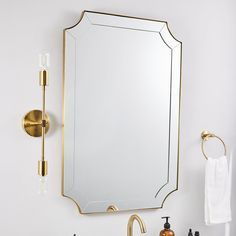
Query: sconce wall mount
{"x": 32, "y": 123}
{"x": 36, "y": 123}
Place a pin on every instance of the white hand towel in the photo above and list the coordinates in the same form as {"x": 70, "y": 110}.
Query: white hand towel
{"x": 217, "y": 191}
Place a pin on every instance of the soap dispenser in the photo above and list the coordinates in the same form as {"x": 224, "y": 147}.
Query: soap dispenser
{"x": 167, "y": 231}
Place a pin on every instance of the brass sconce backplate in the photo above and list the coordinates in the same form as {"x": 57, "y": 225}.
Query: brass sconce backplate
{"x": 32, "y": 123}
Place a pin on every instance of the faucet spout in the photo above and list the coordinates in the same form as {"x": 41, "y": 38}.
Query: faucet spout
{"x": 131, "y": 222}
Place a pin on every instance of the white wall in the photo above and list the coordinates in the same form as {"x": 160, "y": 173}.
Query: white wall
{"x": 208, "y": 102}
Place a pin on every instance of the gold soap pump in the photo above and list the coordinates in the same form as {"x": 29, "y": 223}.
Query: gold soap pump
{"x": 167, "y": 231}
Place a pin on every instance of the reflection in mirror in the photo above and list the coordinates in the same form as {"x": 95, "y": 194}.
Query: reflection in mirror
{"x": 121, "y": 112}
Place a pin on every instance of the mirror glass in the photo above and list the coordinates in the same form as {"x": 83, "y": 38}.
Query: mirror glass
{"x": 121, "y": 112}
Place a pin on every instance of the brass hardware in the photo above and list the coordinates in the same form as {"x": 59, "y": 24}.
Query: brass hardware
{"x": 36, "y": 123}
{"x": 112, "y": 208}
{"x": 131, "y": 222}
{"x": 63, "y": 108}
{"x": 43, "y": 78}
{"x": 32, "y": 123}
{"x": 42, "y": 168}
{"x": 205, "y": 135}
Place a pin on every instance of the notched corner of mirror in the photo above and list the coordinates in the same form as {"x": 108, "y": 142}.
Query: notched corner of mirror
{"x": 74, "y": 25}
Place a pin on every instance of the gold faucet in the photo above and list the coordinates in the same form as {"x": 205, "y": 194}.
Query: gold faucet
{"x": 131, "y": 222}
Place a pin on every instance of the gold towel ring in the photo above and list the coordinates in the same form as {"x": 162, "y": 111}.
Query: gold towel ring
{"x": 205, "y": 136}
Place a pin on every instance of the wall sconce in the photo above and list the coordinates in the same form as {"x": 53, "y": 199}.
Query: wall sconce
{"x": 36, "y": 122}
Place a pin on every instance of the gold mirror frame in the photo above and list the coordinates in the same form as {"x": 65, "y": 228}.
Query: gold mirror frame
{"x": 113, "y": 208}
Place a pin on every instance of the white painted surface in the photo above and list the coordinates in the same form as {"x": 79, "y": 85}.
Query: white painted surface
{"x": 208, "y": 102}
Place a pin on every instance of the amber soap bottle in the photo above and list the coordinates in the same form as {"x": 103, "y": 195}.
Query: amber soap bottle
{"x": 167, "y": 231}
